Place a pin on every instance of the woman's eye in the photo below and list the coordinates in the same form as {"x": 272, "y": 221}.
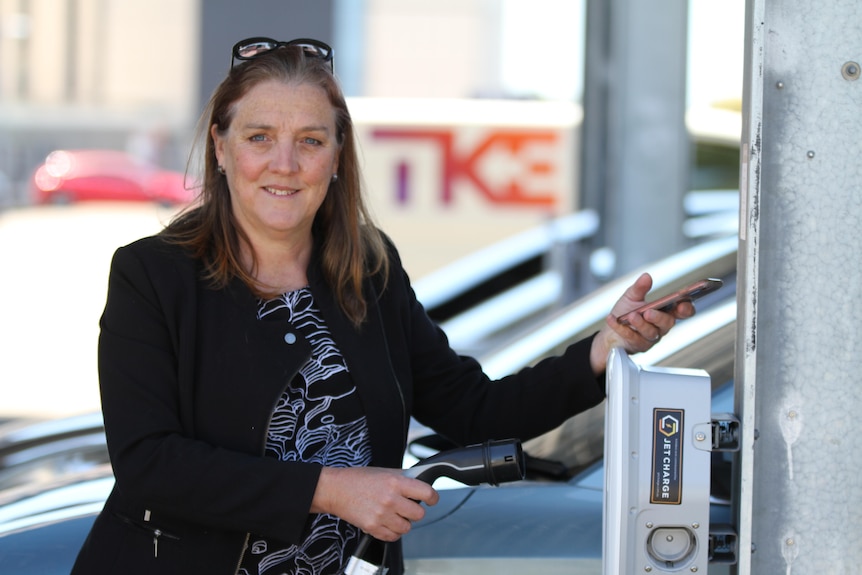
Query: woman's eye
{"x": 311, "y": 141}
{"x": 258, "y": 138}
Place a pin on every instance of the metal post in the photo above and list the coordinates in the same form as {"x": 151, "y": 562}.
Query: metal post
{"x": 800, "y": 276}
{"x": 635, "y": 148}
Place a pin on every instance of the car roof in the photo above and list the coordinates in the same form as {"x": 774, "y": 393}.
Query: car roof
{"x": 716, "y": 258}
{"x": 73, "y": 495}
{"x": 37, "y": 452}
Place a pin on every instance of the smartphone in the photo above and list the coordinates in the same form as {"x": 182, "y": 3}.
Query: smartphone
{"x": 688, "y": 293}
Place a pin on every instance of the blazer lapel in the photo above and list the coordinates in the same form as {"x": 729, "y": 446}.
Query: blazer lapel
{"x": 250, "y": 363}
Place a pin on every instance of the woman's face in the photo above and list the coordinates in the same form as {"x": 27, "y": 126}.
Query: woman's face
{"x": 279, "y": 155}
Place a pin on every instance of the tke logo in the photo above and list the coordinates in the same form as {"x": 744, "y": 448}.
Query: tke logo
{"x": 460, "y": 164}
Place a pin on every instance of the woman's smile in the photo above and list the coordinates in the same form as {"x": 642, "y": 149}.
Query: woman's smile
{"x": 280, "y": 191}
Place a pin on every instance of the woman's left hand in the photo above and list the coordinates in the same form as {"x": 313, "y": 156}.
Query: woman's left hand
{"x": 642, "y": 332}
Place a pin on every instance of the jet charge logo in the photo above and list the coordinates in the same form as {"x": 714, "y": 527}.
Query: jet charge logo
{"x": 667, "y": 456}
{"x": 668, "y": 425}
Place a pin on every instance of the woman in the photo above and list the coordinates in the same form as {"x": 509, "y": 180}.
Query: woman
{"x": 261, "y": 357}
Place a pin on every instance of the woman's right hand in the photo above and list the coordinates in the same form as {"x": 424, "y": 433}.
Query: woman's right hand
{"x": 381, "y": 502}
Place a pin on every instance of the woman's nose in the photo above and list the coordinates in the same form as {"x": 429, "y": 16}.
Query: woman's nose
{"x": 284, "y": 159}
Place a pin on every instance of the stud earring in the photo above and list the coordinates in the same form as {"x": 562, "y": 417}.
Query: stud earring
{"x": 334, "y": 178}
{"x": 221, "y": 170}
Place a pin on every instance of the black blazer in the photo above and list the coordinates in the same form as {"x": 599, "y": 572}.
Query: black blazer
{"x": 189, "y": 378}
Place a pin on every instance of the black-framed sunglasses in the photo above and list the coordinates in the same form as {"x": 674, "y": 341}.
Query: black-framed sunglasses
{"x": 251, "y": 48}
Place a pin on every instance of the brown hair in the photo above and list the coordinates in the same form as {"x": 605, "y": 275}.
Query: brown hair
{"x": 348, "y": 245}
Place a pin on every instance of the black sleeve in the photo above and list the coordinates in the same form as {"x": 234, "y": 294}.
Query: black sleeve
{"x": 456, "y": 398}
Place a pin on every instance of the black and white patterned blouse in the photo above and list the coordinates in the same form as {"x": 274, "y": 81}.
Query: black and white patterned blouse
{"x": 318, "y": 418}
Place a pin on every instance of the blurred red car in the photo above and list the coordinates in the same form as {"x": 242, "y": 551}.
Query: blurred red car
{"x": 80, "y": 175}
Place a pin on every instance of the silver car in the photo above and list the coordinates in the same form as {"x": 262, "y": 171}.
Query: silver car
{"x": 549, "y": 523}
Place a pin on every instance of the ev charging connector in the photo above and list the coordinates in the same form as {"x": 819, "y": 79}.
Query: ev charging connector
{"x": 658, "y": 442}
{"x": 491, "y": 462}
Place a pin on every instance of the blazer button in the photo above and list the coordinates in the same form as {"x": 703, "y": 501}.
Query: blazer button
{"x": 289, "y": 338}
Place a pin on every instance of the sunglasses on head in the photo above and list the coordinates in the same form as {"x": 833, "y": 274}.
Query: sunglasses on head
{"x": 251, "y": 48}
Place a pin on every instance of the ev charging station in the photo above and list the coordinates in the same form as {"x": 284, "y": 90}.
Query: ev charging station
{"x": 659, "y": 435}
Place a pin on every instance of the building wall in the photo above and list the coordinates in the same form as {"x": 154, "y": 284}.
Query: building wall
{"x": 117, "y": 72}
{"x": 95, "y": 73}
{"x": 114, "y": 55}
{"x": 445, "y": 48}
